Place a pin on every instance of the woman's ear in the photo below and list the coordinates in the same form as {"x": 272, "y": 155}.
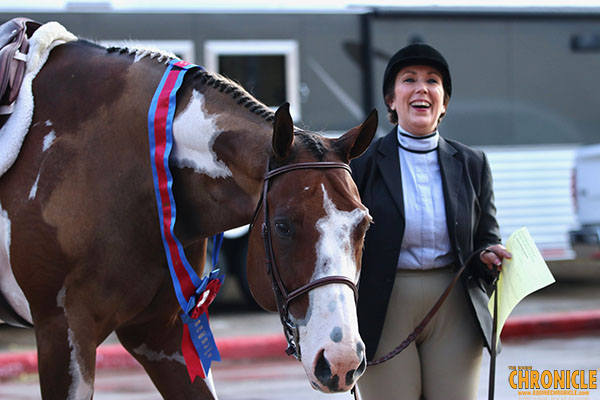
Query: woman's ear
{"x": 389, "y": 100}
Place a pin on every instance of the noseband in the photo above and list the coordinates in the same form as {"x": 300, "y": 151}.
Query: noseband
{"x": 282, "y": 295}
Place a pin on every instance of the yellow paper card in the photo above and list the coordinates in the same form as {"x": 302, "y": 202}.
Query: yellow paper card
{"x": 522, "y": 275}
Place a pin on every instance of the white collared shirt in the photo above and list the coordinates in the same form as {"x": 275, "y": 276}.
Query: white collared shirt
{"x": 426, "y": 244}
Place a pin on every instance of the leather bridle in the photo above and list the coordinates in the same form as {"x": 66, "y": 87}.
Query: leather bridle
{"x": 283, "y": 296}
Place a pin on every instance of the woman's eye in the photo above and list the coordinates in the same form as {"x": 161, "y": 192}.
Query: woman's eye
{"x": 409, "y": 80}
{"x": 282, "y": 228}
{"x": 432, "y": 81}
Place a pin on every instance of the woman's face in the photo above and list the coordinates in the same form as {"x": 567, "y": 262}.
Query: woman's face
{"x": 418, "y": 99}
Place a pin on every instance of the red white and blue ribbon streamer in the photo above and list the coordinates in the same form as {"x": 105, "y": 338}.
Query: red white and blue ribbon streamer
{"x": 193, "y": 293}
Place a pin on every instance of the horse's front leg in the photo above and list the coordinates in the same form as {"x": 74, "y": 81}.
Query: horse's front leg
{"x": 66, "y": 347}
{"x": 155, "y": 341}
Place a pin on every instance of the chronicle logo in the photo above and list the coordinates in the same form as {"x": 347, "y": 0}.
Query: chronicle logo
{"x": 555, "y": 382}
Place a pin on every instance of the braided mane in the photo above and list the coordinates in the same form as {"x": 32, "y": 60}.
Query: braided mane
{"x": 223, "y": 84}
{"x": 214, "y": 80}
{"x": 141, "y": 52}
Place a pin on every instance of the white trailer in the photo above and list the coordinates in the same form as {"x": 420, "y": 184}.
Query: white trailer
{"x": 586, "y": 238}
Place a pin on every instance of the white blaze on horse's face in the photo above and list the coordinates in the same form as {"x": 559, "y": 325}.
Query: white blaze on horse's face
{"x": 332, "y": 350}
{"x": 194, "y": 133}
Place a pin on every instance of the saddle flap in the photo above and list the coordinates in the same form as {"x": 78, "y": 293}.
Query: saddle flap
{"x": 14, "y": 44}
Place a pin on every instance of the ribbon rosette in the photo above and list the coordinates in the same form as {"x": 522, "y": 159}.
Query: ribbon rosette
{"x": 198, "y": 344}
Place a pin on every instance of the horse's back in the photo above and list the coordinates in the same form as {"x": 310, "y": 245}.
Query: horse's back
{"x": 79, "y": 198}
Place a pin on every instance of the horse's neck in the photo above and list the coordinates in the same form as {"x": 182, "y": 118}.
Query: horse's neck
{"x": 227, "y": 146}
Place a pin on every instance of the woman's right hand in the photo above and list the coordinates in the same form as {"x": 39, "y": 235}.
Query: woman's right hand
{"x": 493, "y": 256}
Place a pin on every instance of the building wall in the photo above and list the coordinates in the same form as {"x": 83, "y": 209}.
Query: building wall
{"x": 516, "y": 79}
{"x": 320, "y": 39}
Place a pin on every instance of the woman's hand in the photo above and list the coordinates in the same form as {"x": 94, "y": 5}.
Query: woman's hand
{"x": 493, "y": 255}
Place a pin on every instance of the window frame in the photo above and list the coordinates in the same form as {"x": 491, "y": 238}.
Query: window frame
{"x": 286, "y": 48}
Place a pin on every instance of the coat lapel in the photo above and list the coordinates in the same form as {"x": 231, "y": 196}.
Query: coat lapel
{"x": 452, "y": 175}
{"x": 389, "y": 165}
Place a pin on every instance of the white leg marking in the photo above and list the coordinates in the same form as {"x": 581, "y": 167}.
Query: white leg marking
{"x": 211, "y": 385}
{"x": 34, "y": 188}
{"x": 80, "y": 388}
{"x": 48, "y": 140}
{"x": 194, "y": 133}
{"x": 8, "y": 283}
{"x": 152, "y": 355}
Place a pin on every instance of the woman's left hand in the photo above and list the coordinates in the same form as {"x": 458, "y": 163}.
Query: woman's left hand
{"x": 493, "y": 255}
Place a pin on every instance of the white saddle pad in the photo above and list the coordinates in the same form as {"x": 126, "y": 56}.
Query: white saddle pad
{"x": 12, "y": 134}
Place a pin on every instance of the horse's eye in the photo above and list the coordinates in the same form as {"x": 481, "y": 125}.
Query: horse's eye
{"x": 282, "y": 228}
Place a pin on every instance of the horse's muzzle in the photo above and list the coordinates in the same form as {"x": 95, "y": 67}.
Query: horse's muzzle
{"x": 338, "y": 372}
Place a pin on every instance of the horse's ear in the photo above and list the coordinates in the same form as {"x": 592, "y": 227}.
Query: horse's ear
{"x": 354, "y": 142}
{"x": 283, "y": 132}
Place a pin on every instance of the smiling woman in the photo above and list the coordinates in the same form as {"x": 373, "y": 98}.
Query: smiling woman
{"x": 432, "y": 204}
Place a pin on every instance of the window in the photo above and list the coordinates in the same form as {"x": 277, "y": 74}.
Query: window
{"x": 268, "y": 69}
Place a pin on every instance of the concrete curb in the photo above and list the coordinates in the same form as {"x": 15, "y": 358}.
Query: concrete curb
{"x": 13, "y": 364}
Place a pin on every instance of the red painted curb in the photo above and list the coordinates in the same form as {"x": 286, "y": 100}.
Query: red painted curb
{"x": 551, "y": 324}
{"x": 15, "y": 364}
{"x": 115, "y": 356}
{"x": 271, "y": 346}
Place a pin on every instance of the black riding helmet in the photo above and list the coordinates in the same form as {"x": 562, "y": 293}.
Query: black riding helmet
{"x": 416, "y": 54}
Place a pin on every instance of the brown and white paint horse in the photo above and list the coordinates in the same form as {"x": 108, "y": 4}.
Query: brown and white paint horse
{"x": 81, "y": 253}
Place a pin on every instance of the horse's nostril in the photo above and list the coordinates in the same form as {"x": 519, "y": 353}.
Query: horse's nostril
{"x": 350, "y": 377}
{"x": 322, "y": 368}
{"x": 323, "y": 373}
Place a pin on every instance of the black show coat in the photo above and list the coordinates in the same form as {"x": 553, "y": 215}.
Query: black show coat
{"x": 470, "y": 215}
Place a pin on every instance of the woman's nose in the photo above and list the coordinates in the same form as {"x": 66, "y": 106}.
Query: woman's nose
{"x": 421, "y": 87}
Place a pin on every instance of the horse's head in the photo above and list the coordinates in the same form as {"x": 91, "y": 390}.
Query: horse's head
{"x": 310, "y": 228}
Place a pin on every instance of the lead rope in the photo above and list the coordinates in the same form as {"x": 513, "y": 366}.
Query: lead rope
{"x": 419, "y": 328}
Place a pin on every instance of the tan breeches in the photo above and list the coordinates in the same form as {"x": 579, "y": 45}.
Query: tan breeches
{"x": 443, "y": 363}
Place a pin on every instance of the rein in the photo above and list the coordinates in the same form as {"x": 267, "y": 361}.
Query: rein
{"x": 434, "y": 309}
{"x": 419, "y": 328}
{"x": 283, "y": 296}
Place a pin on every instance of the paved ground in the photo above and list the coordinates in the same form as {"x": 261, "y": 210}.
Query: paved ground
{"x": 285, "y": 379}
